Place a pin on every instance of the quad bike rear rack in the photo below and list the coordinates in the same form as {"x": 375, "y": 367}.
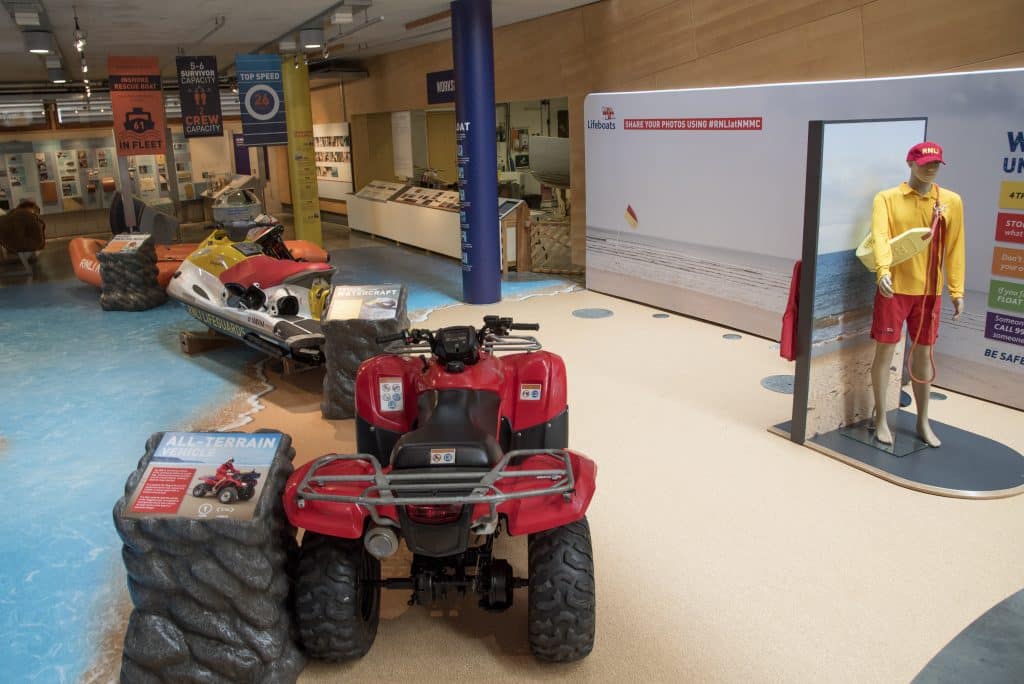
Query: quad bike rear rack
{"x": 386, "y": 489}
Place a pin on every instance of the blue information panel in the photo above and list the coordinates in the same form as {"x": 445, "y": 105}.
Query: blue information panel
{"x": 441, "y": 86}
{"x": 261, "y": 99}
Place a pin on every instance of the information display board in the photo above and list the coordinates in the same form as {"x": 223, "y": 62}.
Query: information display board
{"x": 380, "y": 191}
{"x": 364, "y": 302}
{"x": 333, "y": 148}
{"x": 448, "y": 200}
{"x": 201, "y": 475}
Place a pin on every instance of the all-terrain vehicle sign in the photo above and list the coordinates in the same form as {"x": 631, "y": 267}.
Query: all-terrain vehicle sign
{"x": 455, "y": 448}
{"x": 138, "y": 121}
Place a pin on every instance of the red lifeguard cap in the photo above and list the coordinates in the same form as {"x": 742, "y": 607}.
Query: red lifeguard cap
{"x": 925, "y": 153}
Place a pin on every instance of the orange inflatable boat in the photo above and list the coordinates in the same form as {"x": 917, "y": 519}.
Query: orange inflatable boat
{"x": 83, "y": 253}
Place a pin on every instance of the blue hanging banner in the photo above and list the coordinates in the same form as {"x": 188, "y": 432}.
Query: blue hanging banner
{"x": 476, "y": 153}
{"x": 261, "y": 99}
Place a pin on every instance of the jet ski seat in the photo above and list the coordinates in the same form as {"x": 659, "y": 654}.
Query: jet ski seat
{"x": 268, "y": 272}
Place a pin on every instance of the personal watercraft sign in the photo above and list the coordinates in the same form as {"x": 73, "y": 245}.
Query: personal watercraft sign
{"x": 137, "y": 104}
{"x": 261, "y": 98}
{"x": 202, "y": 475}
{"x": 200, "y": 97}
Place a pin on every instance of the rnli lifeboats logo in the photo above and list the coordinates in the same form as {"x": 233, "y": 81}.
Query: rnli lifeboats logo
{"x": 442, "y": 456}
{"x": 606, "y": 122}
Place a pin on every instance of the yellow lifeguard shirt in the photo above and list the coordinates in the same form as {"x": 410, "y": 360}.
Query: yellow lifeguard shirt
{"x": 899, "y": 209}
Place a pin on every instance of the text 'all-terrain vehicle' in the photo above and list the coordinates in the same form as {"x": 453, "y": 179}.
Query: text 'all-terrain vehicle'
{"x": 454, "y": 448}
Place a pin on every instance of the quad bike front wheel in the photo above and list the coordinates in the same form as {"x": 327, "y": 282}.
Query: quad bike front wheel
{"x": 562, "y": 610}
{"x": 200, "y": 490}
{"x": 337, "y": 597}
{"x": 228, "y": 495}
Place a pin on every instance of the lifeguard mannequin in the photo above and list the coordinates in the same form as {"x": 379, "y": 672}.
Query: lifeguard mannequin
{"x": 911, "y": 291}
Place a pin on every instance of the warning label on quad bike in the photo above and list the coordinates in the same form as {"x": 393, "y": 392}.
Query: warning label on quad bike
{"x": 203, "y": 475}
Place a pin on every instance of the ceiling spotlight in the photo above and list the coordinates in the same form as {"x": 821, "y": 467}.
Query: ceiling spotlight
{"x": 56, "y": 75}
{"x": 80, "y": 44}
{"x": 38, "y": 42}
{"x": 311, "y": 38}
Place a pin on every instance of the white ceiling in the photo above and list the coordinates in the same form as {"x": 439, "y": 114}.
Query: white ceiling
{"x": 149, "y": 27}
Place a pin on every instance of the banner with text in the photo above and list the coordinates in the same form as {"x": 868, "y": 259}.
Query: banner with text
{"x": 137, "y": 104}
{"x": 261, "y": 99}
{"x": 201, "y": 115}
{"x": 695, "y": 202}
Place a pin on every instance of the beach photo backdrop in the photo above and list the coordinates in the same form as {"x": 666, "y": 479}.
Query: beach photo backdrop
{"x": 695, "y": 202}
{"x": 858, "y": 159}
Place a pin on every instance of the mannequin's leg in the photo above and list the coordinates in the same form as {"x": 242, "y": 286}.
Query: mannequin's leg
{"x": 922, "y": 366}
{"x": 879, "y": 383}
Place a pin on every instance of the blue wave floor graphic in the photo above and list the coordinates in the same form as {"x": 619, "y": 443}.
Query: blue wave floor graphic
{"x": 82, "y": 390}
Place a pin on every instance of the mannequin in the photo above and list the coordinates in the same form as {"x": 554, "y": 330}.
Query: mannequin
{"x": 911, "y": 291}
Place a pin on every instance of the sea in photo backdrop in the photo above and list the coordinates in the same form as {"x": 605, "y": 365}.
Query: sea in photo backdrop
{"x": 83, "y": 389}
{"x": 844, "y": 296}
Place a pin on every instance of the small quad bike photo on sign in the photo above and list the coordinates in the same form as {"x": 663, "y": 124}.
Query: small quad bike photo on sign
{"x": 228, "y": 484}
{"x": 462, "y": 435}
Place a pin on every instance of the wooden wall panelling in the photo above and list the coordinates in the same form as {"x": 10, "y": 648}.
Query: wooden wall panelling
{"x": 372, "y": 149}
{"x": 1014, "y": 61}
{"x": 577, "y": 181}
{"x": 528, "y": 57}
{"x": 724, "y": 25}
{"x": 824, "y": 49}
{"x": 325, "y": 104}
{"x": 610, "y": 15}
{"x": 920, "y": 36}
{"x": 633, "y": 49}
{"x": 441, "y": 144}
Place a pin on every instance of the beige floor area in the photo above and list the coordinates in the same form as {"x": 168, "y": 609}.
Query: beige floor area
{"x": 723, "y": 553}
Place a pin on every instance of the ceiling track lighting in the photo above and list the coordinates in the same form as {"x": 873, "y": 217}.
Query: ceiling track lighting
{"x": 354, "y": 29}
{"x": 311, "y": 38}
{"x": 38, "y": 42}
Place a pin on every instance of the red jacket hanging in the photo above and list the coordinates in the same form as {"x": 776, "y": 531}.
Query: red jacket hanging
{"x": 787, "y": 342}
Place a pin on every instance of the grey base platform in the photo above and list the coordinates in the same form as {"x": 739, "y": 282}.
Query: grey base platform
{"x": 989, "y": 651}
{"x": 966, "y": 466}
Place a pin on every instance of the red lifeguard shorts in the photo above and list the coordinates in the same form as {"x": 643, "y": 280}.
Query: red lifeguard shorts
{"x": 891, "y": 313}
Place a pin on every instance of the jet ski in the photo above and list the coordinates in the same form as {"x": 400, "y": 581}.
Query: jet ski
{"x": 255, "y": 291}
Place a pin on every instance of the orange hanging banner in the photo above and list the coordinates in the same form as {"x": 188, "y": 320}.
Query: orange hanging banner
{"x": 138, "y": 105}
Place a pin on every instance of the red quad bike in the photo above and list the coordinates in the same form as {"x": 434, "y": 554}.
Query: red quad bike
{"x": 454, "y": 448}
{"x": 239, "y": 487}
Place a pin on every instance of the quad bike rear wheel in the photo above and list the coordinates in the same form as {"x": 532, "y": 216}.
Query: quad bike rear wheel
{"x": 337, "y": 597}
{"x": 562, "y": 610}
{"x": 228, "y": 495}
{"x": 200, "y": 489}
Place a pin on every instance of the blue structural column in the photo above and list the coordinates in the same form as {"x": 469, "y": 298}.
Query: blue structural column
{"x": 473, "y": 48}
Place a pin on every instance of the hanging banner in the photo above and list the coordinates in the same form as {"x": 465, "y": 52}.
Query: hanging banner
{"x": 261, "y": 98}
{"x": 200, "y": 97}
{"x": 137, "y": 104}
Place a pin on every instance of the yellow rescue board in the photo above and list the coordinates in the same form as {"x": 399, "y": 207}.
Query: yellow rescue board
{"x": 904, "y": 246}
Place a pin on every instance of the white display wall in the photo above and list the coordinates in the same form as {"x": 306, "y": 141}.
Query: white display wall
{"x": 695, "y": 202}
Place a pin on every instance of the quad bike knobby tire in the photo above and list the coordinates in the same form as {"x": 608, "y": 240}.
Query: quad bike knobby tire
{"x": 337, "y": 600}
{"x": 228, "y": 495}
{"x": 200, "y": 490}
{"x": 561, "y": 614}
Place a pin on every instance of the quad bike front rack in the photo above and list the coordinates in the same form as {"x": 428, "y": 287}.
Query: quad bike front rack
{"x": 491, "y": 343}
{"x": 386, "y": 489}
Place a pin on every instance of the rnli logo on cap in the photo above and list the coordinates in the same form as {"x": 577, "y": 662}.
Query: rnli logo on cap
{"x": 929, "y": 150}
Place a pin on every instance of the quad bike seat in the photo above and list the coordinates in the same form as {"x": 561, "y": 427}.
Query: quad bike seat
{"x": 461, "y": 420}
{"x": 268, "y": 272}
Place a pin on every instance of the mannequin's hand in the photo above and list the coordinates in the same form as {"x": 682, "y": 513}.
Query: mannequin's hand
{"x": 958, "y": 308}
{"x": 885, "y": 286}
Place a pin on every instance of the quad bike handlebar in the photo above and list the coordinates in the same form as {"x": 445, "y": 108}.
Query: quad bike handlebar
{"x": 462, "y": 344}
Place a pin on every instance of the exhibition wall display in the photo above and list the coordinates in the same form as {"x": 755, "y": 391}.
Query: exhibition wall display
{"x": 333, "y": 145}
{"x": 59, "y": 175}
{"x": 695, "y": 202}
